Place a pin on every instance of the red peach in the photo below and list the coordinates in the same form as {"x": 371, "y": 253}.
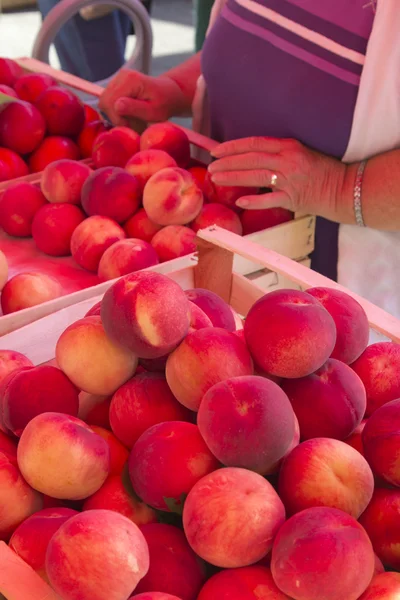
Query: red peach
{"x": 379, "y": 369}
{"x": 245, "y": 583}
{"x": 111, "y": 192}
{"x": 329, "y": 403}
{"x": 217, "y": 214}
{"x": 126, "y": 256}
{"x": 3, "y": 278}
{"x": 8, "y": 91}
{"x": 352, "y": 327}
{"x": 114, "y": 148}
{"x": 95, "y": 310}
{"x": 13, "y": 165}
{"x": 204, "y": 358}
{"x": 94, "y": 410}
{"x": 62, "y": 181}
{"x": 7, "y": 445}
{"x": 148, "y": 162}
{"x": 118, "y": 453}
{"x": 322, "y": 553}
{"x": 289, "y": 333}
{"x": 231, "y": 517}
{"x": 259, "y": 413}
{"x": 258, "y": 220}
{"x": 379, "y": 568}
{"x": 31, "y": 85}
{"x": 111, "y": 548}
{"x": 76, "y": 467}
{"x": 166, "y": 462}
{"x": 5, "y": 171}
{"x": 227, "y": 195}
{"x": 88, "y": 137}
{"x": 91, "y": 360}
{"x": 53, "y": 226}
{"x": 174, "y": 241}
{"x": 28, "y": 289}
{"x": 139, "y": 226}
{"x": 62, "y": 110}
{"x": 381, "y": 442}
{"x": 91, "y": 114}
{"x": 22, "y": 127}
{"x": 167, "y": 137}
{"x": 91, "y": 239}
{"x": 355, "y": 439}
{"x": 154, "y": 596}
{"x": 199, "y": 174}
{"x": 274, "y": 470}
{"x": 10, "y": 71}
{"x": 154, "y": 365}
{"x": 218, "y": 311}
{"x": 174, "y": 567}
{"x": 198, "y": 318}
{"x": 19, "y": 203}
{"x": 53, "y": 148}
{"x": 31, "y": 539}
{"x": 146, "y": 312}
{"x": 172, "y": 197}
{"x": 385, "y": 586}
{"x": 143, "y": 401}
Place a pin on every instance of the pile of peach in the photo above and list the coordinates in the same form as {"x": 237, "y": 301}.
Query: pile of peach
{"x": 175, "y": 452}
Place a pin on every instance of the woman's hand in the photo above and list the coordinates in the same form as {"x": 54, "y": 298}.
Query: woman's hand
{"x": 301, "y": 180}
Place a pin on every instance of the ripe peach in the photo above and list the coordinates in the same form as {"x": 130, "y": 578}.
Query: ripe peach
{"x": 114, "y": 148}
{"x": 13, "y": 165}
{"x": 10, "y": 71}
{"x": 336, "y": 546}
{"x": 8, "y": 91}
{"x": 379, "y": 568}
{"x": 325, "y": 472}
{"x": 385, "y": 586}
{"x": 199, "y": 174}
{"x": 259, "y": 413}
{"x": 8, "y": 445}
{"x": 111, "y": 548}
{"x": 227, "y": 195}
{"x": 146, "y": 312}
{"x": 62, "y": 110}
{"x": 154, "y": 596}
{"x": 53, "y": 148}
{"x": 352, "y": 327}
{"x": 170, "y": 138}
{"x": 95, "y": 310}
{"x": 148, "y": 162}
{"x": 91, "y": 360}
{"x": 118, "y": 453}
{"x": 381, "y": 442}
{"x": 174, "y": 241}
{"x": 204, "y": 358}
{"x": 94, "y": 410}
{"x": 19, "y": 203}
{"x": 3, "y": 280}
{"x": 53, "y": 226}
{"x": 111, "y": 192}
{"x": 143, "y": 401}
{"x": 245, "y": 583}
{"x": 22, "y": 127}
{"x": 218, "y": 311}
{"x": 91, "y": 239}
{"x": 126, "y": 256}
{"x": 88, "y": 137}
{"x": 31, "y": 85}
{"x": 289, "y": 333}
{"x": 217, "y": 214}
{"x": 231, "y": 517}
{"x": 355, "y": 439}
{"x": 257, "y": 220}
{"x": 76, "y": 467}
{"x": 28, "y": 289}
{"x": 174, "y": 567}
{"x": 139, "y": 226}
{"x": 10, "y": 361}
{"x": 166, "y": 462}
{"x": 62, "y": 181}
{"x": 31, "y": 539}
{"x": 172, "y": 197}
{"x": 91, "y": 114}
{"x": 198, "y": 318}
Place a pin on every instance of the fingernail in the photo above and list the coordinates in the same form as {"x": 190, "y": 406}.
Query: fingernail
{"x": 211, "y": 168}
{"x": 242, "y": 203}
{"x": 216, "y": 152}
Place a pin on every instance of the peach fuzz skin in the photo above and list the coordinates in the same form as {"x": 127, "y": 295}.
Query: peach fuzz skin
{"x": 89, "y": 135}
{"x": 336, "y": 546}
{"x": 28, "y": 289}
{"x": 94, "y": 409}
{"x": 217, "y": 214}
{"x": 217, "y": 310}
{"x": 245, "y": 583}
{"x": 53, "y": 226}
{"x": 126, "y": 256}
{"x": 169, "y": 138}
{"x": 118, "y": 453}
{"x": 257, "y": 220}
{"x": 11, "y": 361}
{"x": 174, "y": 241}
{"x": 92, "y": 238}
{"x": 53, "y": 148}
{"x": 62, "y": 110}
{"x": 154, "y": 596}
{"x": 78, "y": 464}
{"x": 114, "y": 148}
{"x": 254, "y": 510}
{"x": 93, "y": 362}
{"x": 62, "y": 181}
{"x": 139, "y": 226}
{"x": 385, "y": 586}
{"x": 111, "y": 547}
{"x": 19, "y": 204}
{"x": 146, "y": 163}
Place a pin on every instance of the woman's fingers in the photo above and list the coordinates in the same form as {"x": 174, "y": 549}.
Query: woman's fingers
{"x": 252, "y": 144}
{"x": 258, "y": 178}
{"x": 276, "y": 199}
{"x": 249, "y": 161}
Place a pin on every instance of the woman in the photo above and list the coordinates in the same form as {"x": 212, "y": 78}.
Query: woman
{"x": 301, "y": 92}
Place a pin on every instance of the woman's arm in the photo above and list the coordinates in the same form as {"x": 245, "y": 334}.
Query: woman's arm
{"x": 185, "y": 76}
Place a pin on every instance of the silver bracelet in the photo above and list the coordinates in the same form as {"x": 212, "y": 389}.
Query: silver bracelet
{"x": 357, "y": 193}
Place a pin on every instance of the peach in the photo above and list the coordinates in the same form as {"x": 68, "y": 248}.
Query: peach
{"x": 355, "y": 439}
{"x": 289, "y": 333}
{"x": 258, "y": 220}
{"x": 385, "y": 586}
{"x": 166, "y": 462}
{"x": 53, "y": 226}
{"x": 379, "y": 369}
{"x": 11, "y": 165}
{"x": 379, "y": 568}
{"x": 274, "y": 470}
{"x": 227, "y": 195}
{"x": 322, "y": 553}
{"x": 62, "y": 181}
{"x": 53, "y": 148}
{"x": 3, "y": 278}
{"x": 259, "y": 413}
{"x": 231, "y": 517}
{"x": 31, "y": 85}
{"x": 172, "y": 197}
{"x": 113, "y": 496}
{"x": 91, "y": 114}
{"x": 381, "y": 442}
{"x": 18, "y": 500}
{"x": 10, "y": 71}
{"x": 62, "y": 110}
{"x": 93, "y": 362}
{"x": 126, "y": 256}
{"x": 146, "y": 312}
{"x": 28, "y": 289}
{"x": 199, "y": 174}
{"x": 22, "y": 127}
{"x": 5, "y": 171}
{"x": 33, "y": 391}
{"x": 94, "y": 410}
{"x": 111, "y": 192}
{"x": 112, "y": 550}
{"x": 198, "y": 318}
{"x": 218, "y": 311}
{"x": 143, "y": 401}
{"x": 8, "y": 91}
{"x": 174, "y": 241}
{"x": 205, "y": 357}
{"x": 325, "y": 472}
{"x": 329, "y": 403}
{"x": 170, "y": 138}
{"x": 19, "y": 203}
{"x": 352, "y": 327}
{"x": 217, "y": 214}
{"x": 245, "y": 583}
{"x": 148, "y": 162}
{"x": 91, "y": 239}
{"x": 88, "y": 137}
{"x": 118, "y": 453}
{"x": 174, "y": 567}
{"x": 139, "y": 226}
{"x": 114, "y": 148}
{"x": 154, "y": 596}
{"x": 31, "y": 539}
{"x": 7, "y": 445}
{"x": 76, "y": 467}
{"x": 95, "y": 310}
